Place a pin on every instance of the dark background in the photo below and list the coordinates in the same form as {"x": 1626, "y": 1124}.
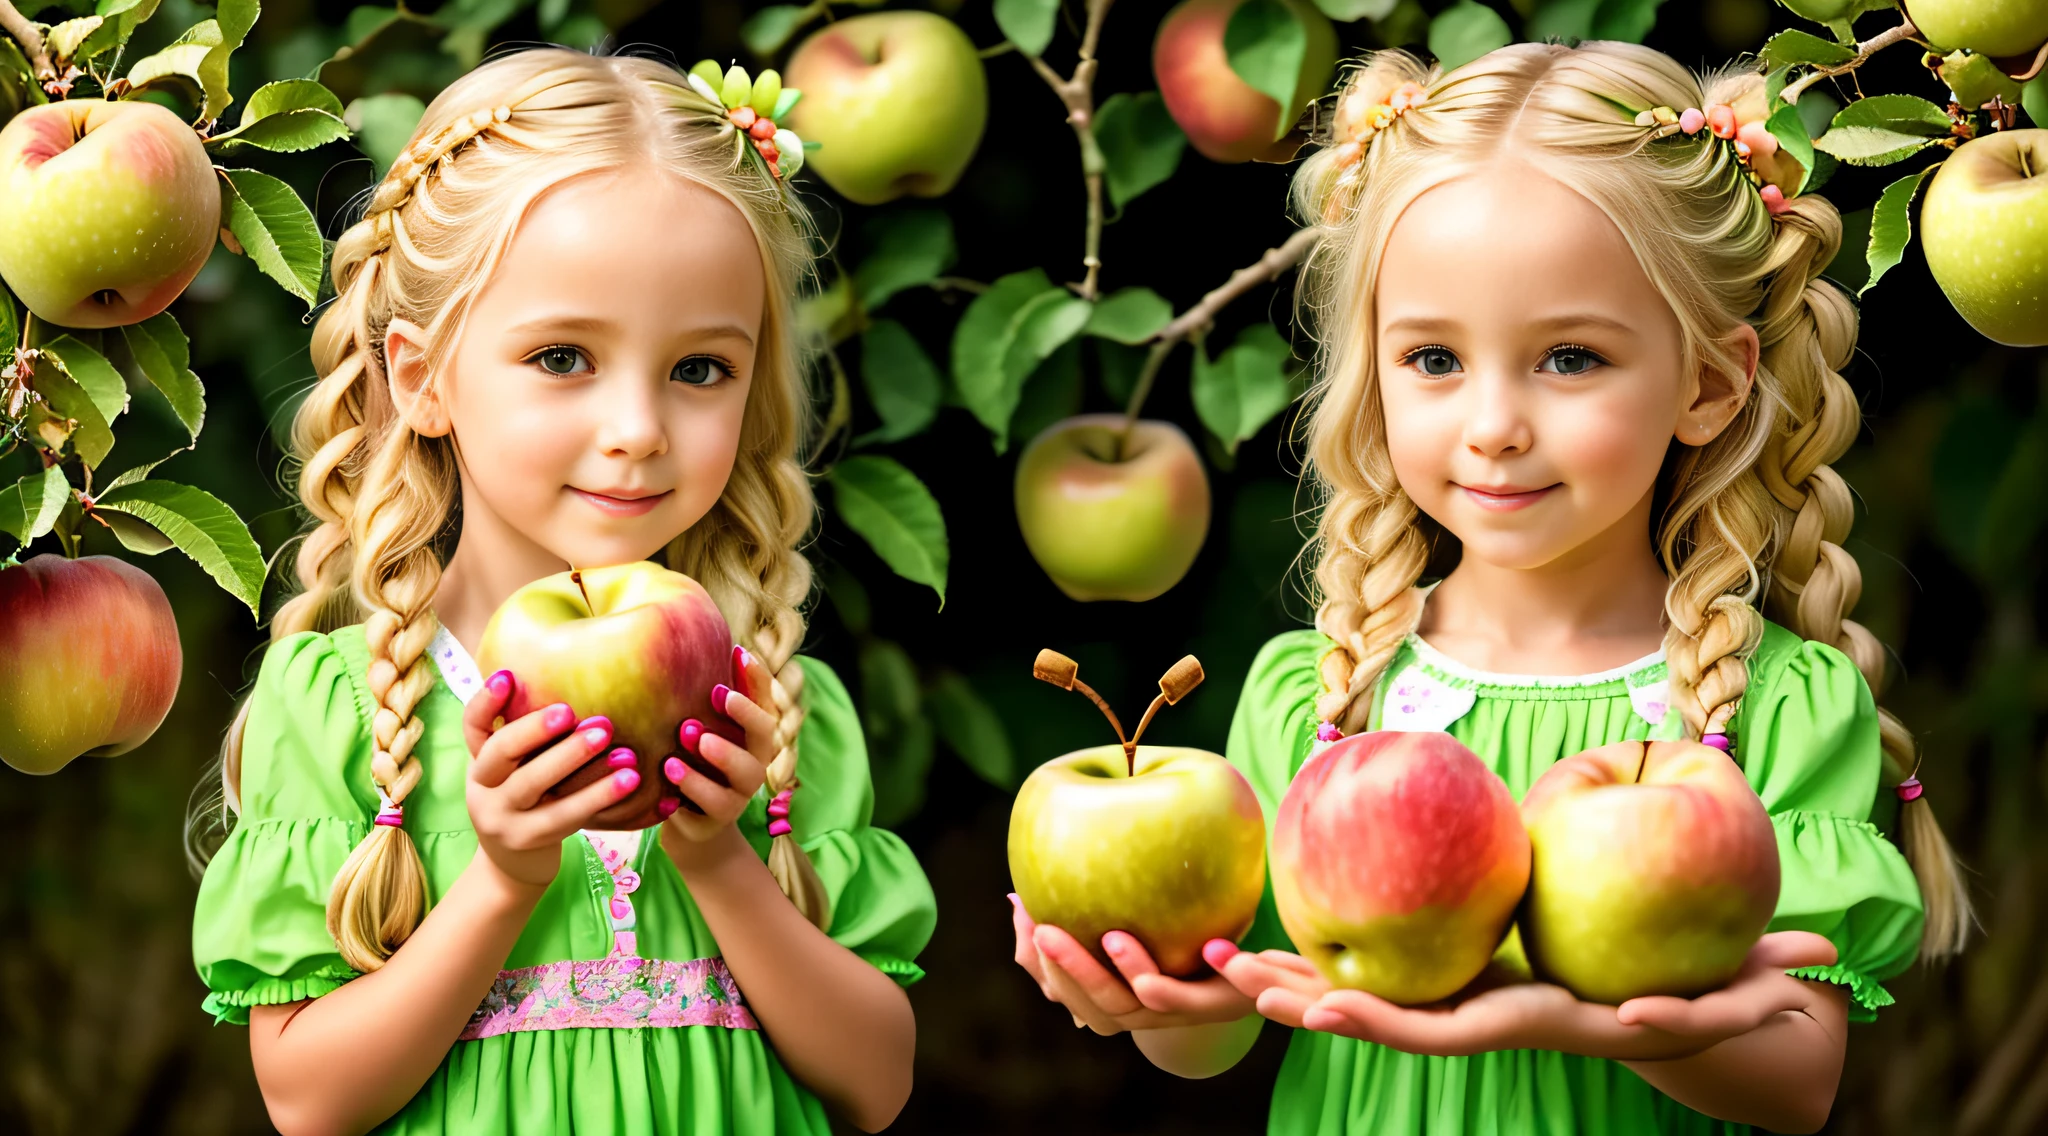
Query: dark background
{"x": 102, "y": 1027}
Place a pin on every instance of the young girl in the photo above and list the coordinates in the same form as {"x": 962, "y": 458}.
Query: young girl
{"x": 562, "y": 338}
{"x": 1571, "y": 312}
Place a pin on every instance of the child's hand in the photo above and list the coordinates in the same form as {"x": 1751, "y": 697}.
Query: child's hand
{"x": 511, "y": 770}
{"x": 1137, "y": 998}
{"x": 721, "y": 793}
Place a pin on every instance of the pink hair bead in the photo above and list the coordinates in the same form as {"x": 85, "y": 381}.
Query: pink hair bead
{"x": 1910, "y": 789}
{"x": 394, "y": 817}
{"x": 778, "y": 827}
{"x": 1718, "y": 741}
{"x": 1691, "y": 120}
{"x": 1328, "y": 732}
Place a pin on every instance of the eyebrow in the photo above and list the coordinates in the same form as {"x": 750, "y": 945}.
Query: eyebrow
{"x": 1427, "y": 324}
{"x": 601, "y": 324}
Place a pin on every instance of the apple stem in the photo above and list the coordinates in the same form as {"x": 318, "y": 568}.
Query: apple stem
{"x": 18, "y": 26}
{"x": 1900, "y": 32}
{"x": 1063, "y": 672}
{"x": 575, "y": 574}
{"x": 1174, "y": 685}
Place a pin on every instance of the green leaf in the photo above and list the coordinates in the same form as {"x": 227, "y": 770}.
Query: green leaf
{"x": 92, "y": 437}
{"x": 198, "y": 59}
{"x": 383, "y": 124}
{"x": 65, "y": 39}
{"x": 1849, "y": 269}
{"x": 1051, "y": 392}
{"x": 1027, "y": 23}
{"x": 1266, "y": 43}
{"x": 912, "y": 247}
{"x": 1141, "y": 144}
{"x": 289, "y": 95}
{"x": 287, "y": 116}
{"x": 1790, "y": 130}
{"x": 10, "y": 327}
{"x": 18, "y": 88}
{"x": 1001, "y": 339}
{"x": 1564, "y": 20}
{"x": 767, "y": 30}
{"x": 1118, "y": 366}
{"x": 1891, "y": 225}
{"x": 1905, "y": 114}
{"x": 1464, "y": 32}
{"x": 29, "y": 507}
{"x": 1802, "y": 49}
{"x": 1625, "y": 20}
{"x": 971, "y": 729}
{"x": 1974, "y": 80}
{"x": 163, "y": 354}
{"x": 898, "y": 517}
{"x": 1246, "y": 386}
{"x": 1871, "y": 145}
{"x": 201, "y": 526}
{"x": 1131, "y": 315}
{"x": 133, "y": 474}
{"x": 119, "y": 19}
{"x": 136, "y": 534}
{"x": 1345, "y": 11}
{"x": 92, "y": 372}
{"x": 902, "y": 382}
{"x": 899, "y": 735}
{"x": 277, "y": 231}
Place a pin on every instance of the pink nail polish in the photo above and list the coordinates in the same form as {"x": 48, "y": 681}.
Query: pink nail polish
{"x": 558, "y": 716}
{"x": 665, "y": 806}
{"x": 499, "y": 683}
{"x": 1217, "y": 952}
{"x": 674, "y": 770}
{"x": 1114, "y": 944}
{"x": 622, "y": 758}
{"x": 626, "y": 780}
{"x": 719, "y": 694}
{"x": 691, "y": 734}
{"x": 1014, "y": 901}
{"x": 740, "y": 658}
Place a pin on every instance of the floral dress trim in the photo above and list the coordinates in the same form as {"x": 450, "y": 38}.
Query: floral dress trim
{"x": 1433, "y": 690}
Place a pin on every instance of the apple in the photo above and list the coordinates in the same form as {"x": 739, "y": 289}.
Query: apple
{"x": 1987, "y": 27}
{"x": 1655, "y": 871}
{"x": 110, "y": 210}
{"x": 89, "y": 660}
{"x": 1828, "y": 11}
{"x": 1226, "y": 118}
{"x": 1110, "y": 518}
{"x": 1398, "y": 860}
{"x": 637, "y": 643}
{"x": 1984, "y": 227}
{"x": 895, "y": 100}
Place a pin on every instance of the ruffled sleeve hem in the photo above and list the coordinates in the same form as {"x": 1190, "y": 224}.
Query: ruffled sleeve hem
{"x": 903, "y": 971}
{"x": 1866, "y": 997}
{"x": 232, "y": 1006}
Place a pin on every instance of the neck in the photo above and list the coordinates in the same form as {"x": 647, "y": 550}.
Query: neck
{"x": 492, "y": 560}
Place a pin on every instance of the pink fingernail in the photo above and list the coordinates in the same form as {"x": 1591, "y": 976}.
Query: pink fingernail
{"x": 691, "y": 734}
{"x": 674, "y": 770}
{"x": 558, "y": 716}
{"x": 665, "y": 806}
{"x": 499, "y": 683}
{"x": 1217, "y": 952}
{"x": 597, "y": 731}
{"x": 740, "y": 658}
{"x": 719, "y": 694}
{"x": 623, "y": 758}
{"x": 1113, "y": 943}
{"x": 1016, "y": 903}
{"x": 626, "y": 780}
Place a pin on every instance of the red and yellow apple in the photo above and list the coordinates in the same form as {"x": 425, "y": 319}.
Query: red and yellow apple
{"x": 895, "y": 100}
{"x": 107, "y": 210}
{"x": 637, "y": 643}
{"x": 1987, "y": 27}
{"x": 1398, "y": 860}
{"x": 1226, "y": 118}
{"x": 89, "y": 660}
{"x": 1111, "y": 518}
{"x": 1655, "y": 872}
{"x": 1984, "y": 227}
{"x": 1173, "y": 853}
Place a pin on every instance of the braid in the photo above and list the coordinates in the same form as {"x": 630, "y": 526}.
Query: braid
{"x": 1373, "y": 554}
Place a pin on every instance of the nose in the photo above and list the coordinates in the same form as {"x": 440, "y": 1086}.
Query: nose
{"x": 629, "y": 418}
{"x": 1496, "y": 416}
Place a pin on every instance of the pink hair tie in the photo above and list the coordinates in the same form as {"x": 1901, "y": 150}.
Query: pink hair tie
{"x": 1718, "y": 741}
{"x": 778, "y": 809}
{"x": 1909, "y": 789}
{"x": 393, "y": 816}
{"x": 1328, "y": 732}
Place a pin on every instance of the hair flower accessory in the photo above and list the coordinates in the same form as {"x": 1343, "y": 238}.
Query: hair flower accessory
{"x": 1368, "y": 108}
{"x": 752, "y": 107}
{"x": 1776, "y": 174}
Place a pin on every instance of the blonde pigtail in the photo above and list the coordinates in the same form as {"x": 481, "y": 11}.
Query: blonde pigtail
{"x": 1374, "y": 554}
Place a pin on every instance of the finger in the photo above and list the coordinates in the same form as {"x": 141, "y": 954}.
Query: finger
{"x": 749, "y": 715}
{"x": 1213, "y": 997}
{"x": 484, "y": 707}
{"x": 544, "y": 770}
{"x": 1129, "y": 955}
{"x": 1075, "y": 998}
{"x": 1103, "y": 988}
{"x": 1027, "y": 951}
{"x": 1283, "y": 1005}
{"x": 753, "y": 679}
{"x": 559, "y": 818}
{"x": 1256, "y": 973}
{"x": 507, "y": 749}
{"x": 709, "y": 798}
{"x": 1788, "y": 949}
{"x": 1441, "y": 1033}
{"x": 743, "y": 771}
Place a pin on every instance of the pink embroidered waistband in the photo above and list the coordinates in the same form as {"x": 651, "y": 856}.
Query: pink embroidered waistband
{"x": 611, "y": 993}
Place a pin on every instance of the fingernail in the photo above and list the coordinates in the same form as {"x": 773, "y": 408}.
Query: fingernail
{"x": 623, "y": 758}
{"x": 626, "y": 780}
{"x": 597, "y": 731}
{"x": 691, "y": 733}
{"x": 665, "y": 806}
{"x": 718, "y": 696}
{"x": 1113, "y": 943}
{"x": 674, "y": 770}
{"x": 740, "y": 658}
{"x": 1217, "y": 952}
{"x": 558, "y": 716}
{"x": 1015, "y": 903}
{"x": 499, "y": 683}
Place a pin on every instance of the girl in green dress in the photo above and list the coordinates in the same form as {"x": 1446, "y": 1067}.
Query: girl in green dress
{"x": 1571, "y": 311}
{"x": 562, "y": 337}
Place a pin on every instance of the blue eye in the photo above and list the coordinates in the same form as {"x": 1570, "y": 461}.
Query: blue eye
{"x": 560, "y": 360}
{"x": 1433, "y": 360}
{"x": 698, "y": 371}
{"x": 1570, "y": 361}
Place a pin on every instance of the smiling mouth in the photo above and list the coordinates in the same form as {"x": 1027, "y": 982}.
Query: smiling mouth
{"x": 1506, "y": 498}
{"x": 621, "y": 506}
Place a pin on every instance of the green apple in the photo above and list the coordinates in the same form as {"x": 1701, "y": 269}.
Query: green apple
{"x": 895, "y": 100}
{"x": 1828, "y": 11}
{"x": 1171, "y": 851}
{"x": 110, "y": 210}
{"x": 1987, "y": 27}
{"x": 1226, "y": 118}
{"x": 1984, "y": 227}
{"x": 89, "y": 660}
{"x": 1110, "y": 518}
{"x": 1655, "y": 871}
{"x": 636, "y": 643}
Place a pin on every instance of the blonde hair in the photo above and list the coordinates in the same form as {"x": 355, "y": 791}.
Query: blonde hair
{"x": 1756, "y": 516}
{"x": 434, "y": 230}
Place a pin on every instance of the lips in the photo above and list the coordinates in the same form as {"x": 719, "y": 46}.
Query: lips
{"x": 621, "y": 506}
{"x": 1505, "y": 497}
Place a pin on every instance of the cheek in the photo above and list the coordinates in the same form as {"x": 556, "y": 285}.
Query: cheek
{"x": 1612, "y": 446}
{"x": 1421, "y": 435}
{"x": 708, "y": 441}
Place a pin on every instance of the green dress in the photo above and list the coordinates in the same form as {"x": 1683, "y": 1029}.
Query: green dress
{"x": 614, "y": 1013}
{"x": 1806, "y": 734}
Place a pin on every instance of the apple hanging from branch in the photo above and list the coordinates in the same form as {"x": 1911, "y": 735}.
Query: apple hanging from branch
{"x": 1110, "y": 515}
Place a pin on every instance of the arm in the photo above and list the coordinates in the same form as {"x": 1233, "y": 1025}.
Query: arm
{"x": 1781, "y": 1075}
{"x": 842, "y": 1027}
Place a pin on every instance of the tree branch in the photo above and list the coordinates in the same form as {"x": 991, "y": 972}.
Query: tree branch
{"x": 1904, "y": 30}
{"x": 1078, "y": 94}
{"x": 31, "y": 40}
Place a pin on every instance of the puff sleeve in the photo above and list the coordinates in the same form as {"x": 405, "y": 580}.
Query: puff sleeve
{"x": 259, "y": 931}
{"x": 1808, "y": 737}
{"x": 1270, "y": 737}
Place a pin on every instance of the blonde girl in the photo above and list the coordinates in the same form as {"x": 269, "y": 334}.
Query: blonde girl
{"x": 1571, "y": 312}
{"x": 562, "y": 338}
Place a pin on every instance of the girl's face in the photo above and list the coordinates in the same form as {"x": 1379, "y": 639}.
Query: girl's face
{"x": 1529, "y": 371}
{"x": 597, "y": 391}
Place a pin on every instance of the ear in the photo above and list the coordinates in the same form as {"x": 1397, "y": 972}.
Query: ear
{"x": 412, "y": 387}
{"x": 1719, "y": 395}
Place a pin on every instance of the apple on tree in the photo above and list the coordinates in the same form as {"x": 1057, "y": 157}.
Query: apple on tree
{"x": 895, "y": 100}
{"x": 110, "y": 209}
{"x": 1226, "y": 118}
{"x": 1111, "y": 516}
{"x": 1987, "y": 27}
{"x": 89, "y": 660}
{"x": 637, "y": 643}
{"x": 1163, "y": 843}
{"x": 1984, "y": 227}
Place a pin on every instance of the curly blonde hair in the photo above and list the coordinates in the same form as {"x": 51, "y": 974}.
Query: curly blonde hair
{"x": 1754, "y": 517}
{"x": 382, "y": 496}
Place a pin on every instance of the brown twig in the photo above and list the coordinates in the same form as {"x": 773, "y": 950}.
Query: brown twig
{"x": 1078, "y": 93}
{"x": 1904, "y": 30}
{"x": 31, "y": 40}
{"x": 1198, "y": 318}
